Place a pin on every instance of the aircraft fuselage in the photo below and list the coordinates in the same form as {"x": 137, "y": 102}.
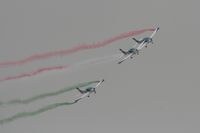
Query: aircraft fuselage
{"x": 146, "y": 40}
{"x": 132, "y": 50}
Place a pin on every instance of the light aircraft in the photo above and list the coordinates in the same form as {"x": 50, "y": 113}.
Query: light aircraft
{"x": 86, "y": 92}
{"x": 146, "y": 40}
{"x": 128, "y": 54}
{"x": 143, "y": 42}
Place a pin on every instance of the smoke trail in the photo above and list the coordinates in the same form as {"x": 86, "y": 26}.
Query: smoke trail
{"x": 39, "y": 71}
{"x": 32, "y": 113}
{"x": 94, "y": 61}
{"x": 106, "y": 59}
{"x": 42, "y": 96}
{"x": 73, "y": 49}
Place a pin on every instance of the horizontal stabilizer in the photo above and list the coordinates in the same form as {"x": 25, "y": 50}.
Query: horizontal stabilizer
{"x": 123, "y": 51}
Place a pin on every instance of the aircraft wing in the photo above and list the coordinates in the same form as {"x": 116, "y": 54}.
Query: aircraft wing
{"x": 100, "y": 82}
{"x": 143, "y": 43}
{"x": 154, "y": 32}
{"x": 125, "y": 58}
{"x": 82, "y": 96}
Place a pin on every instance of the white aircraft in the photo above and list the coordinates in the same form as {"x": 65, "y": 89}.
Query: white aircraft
{"x": 128, "y": 54}
{"x": 86, "y": 92}
{"x": 143, "y": 42}
{"x": 147, "y": 40}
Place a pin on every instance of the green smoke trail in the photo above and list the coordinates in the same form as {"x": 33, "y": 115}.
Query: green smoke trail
{"x": 32, "y": 113}
{"x": 45, "y": 95}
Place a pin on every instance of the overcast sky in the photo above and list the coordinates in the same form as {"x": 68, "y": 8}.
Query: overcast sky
{"x": 156, "y": 92}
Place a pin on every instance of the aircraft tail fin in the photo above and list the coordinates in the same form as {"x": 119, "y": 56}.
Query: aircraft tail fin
{"x": 80, "y": 90}
{"x": 136, "y": 40}
{"x": 123, "y": 51}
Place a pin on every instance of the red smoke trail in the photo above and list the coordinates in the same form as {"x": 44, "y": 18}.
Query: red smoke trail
{"x": 85, "y": 63}
{"x": 74, "y": 49}
{"x": 53, "y": 68}
{"x": 39, "y": 71}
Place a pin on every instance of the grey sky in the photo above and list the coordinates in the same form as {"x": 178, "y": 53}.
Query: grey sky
{"x": 156, "y": 92}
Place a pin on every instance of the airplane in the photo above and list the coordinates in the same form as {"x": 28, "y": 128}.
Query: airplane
{"x": 133, "y": 51}
{"x": 128, "y": 54}
{"x": 86, "y": 92}
{"x": 146, "y": 40}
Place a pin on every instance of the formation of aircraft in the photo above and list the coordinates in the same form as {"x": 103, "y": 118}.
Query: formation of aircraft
{"x": 126, "y": 54}
{"x": 141, "y": 43}
{"x": 86, "y": 92}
